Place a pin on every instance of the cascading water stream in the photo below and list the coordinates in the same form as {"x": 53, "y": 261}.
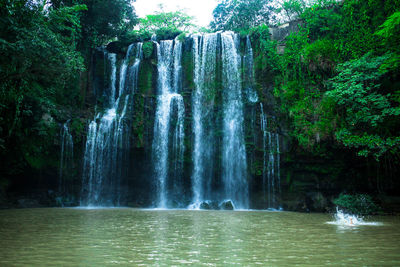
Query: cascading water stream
{"x": 66, "y": 159}
{"x": 204, "y": 55}
{"x": 223, "y": 96}
{"x": 113, "y": 59}
{"x": 248, "y": 66}
{"x": 169, "y": 104}
{"x": 234, "y": 166}
{"x": 271, "y": 163}
{"x": 107, "y": 142}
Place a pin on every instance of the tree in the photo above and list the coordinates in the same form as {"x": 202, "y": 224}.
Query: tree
{"x": 103, "y": 21}
{"x": 38, "y": 66}
{"x": 389, "y": 31}
{"x": 369, "y": 114}
{"x": 176, "y": 21}
{"x": 236, "y": 15}
{"x": 165, "y": 25}
{"x": 107, "y": 19}
{"x": 293, "y": 8}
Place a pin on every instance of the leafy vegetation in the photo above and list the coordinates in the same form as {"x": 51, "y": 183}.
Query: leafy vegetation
{"x": 359, "y": 204}
{"x": 336, "y": 78}
{"x": 238, "y": 15}
{"x": 332, "y": 89}
{"x": 164, "y": 25}
{"x": 365, "y": 107}
{"x": 45, "y": 50}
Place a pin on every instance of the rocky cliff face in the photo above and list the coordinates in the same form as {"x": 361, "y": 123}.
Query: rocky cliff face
{"x": 277, "y": 173}
{"x": 261, "y": 128}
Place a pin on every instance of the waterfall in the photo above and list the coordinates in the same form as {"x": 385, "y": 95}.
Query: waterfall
{"x": 204, "y": 55}
{"x": 208, "y": 50}
{"x": 168, "y": 145}
{"x": 248, "y": 67}
{"x": 214, "y": 96}
{"x": 107, "y": 144}
{"x": 113, "y": 60}
{"x": 271, "y": 163}
{"x": 66, "y": 159}
{"x": 234, "y": 166}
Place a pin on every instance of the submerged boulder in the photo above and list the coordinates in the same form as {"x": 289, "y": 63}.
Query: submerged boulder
{"x": 209, "y": 205}
{"x": 227, "y": 205}
{"x": 205, "y": 206}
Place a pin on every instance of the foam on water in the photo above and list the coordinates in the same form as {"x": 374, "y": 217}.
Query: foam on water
{"x": 344, "y": 219}
{"x": 98, "y": 207}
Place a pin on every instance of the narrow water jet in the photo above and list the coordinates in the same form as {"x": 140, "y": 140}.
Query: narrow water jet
{"x": 248, "y": 67}
{"x": 271, "y": 163}
{"x": 66, "y": 160}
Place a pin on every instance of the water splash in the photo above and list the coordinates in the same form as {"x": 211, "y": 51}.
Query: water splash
{"x": 348, "y": 220}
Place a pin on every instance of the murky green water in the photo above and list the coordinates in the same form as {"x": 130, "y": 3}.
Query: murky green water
{"x": 129, "y": 237}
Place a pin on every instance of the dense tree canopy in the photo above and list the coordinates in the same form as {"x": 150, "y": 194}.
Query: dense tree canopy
{"x": 43, "y": 46}
{"x": 104, "y": 19}
{"x": 236, "y": 15}
{"x": 177, "y": 20}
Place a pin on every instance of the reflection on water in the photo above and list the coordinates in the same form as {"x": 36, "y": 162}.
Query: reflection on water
{"x": 107, "y": 237}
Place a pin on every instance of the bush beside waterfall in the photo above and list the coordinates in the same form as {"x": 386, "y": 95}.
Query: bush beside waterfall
{"x": 359, "y": 204}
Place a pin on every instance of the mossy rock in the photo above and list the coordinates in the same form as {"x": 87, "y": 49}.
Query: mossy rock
{"x": 227, "y": 205}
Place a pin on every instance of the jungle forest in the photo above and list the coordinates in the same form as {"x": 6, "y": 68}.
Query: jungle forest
{"x": 269, "y": 136}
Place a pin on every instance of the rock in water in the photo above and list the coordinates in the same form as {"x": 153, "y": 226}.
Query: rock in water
{"x": 227, "y": 205}
{"x": 209, "y": 205}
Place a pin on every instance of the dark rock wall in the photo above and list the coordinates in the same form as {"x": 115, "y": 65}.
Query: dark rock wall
{"x": 308, "y": 182}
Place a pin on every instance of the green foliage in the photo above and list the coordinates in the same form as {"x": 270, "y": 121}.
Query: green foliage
{"x": 265, "y": 57}
{"x": 322, "y": 22}
{"x": 293, "y": 8}
{"x": 365, "y": 107}
{"x": 39, "y": 67}
{"x": 292, "y": 61}
{"x": 389, "y": 31}
{"x": 177, "y": 20}
{"x": 300, "y": 90}
{"x": 181, "y": 37}
{"x": 237, "y": 15}
{"x": 360, "y": 108}
{"x": 105, "y": 20}
{"x": 321, "y": 56}
{"x": 321, "y": 49}
{"x": 147, "y": 49}
{"x": 77, "y": 127}
{"x": 390, "y": 28}
{"x": 359, "y": 204}
{"x": 360, "y": 21}
{"x": 166, "y": 25}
